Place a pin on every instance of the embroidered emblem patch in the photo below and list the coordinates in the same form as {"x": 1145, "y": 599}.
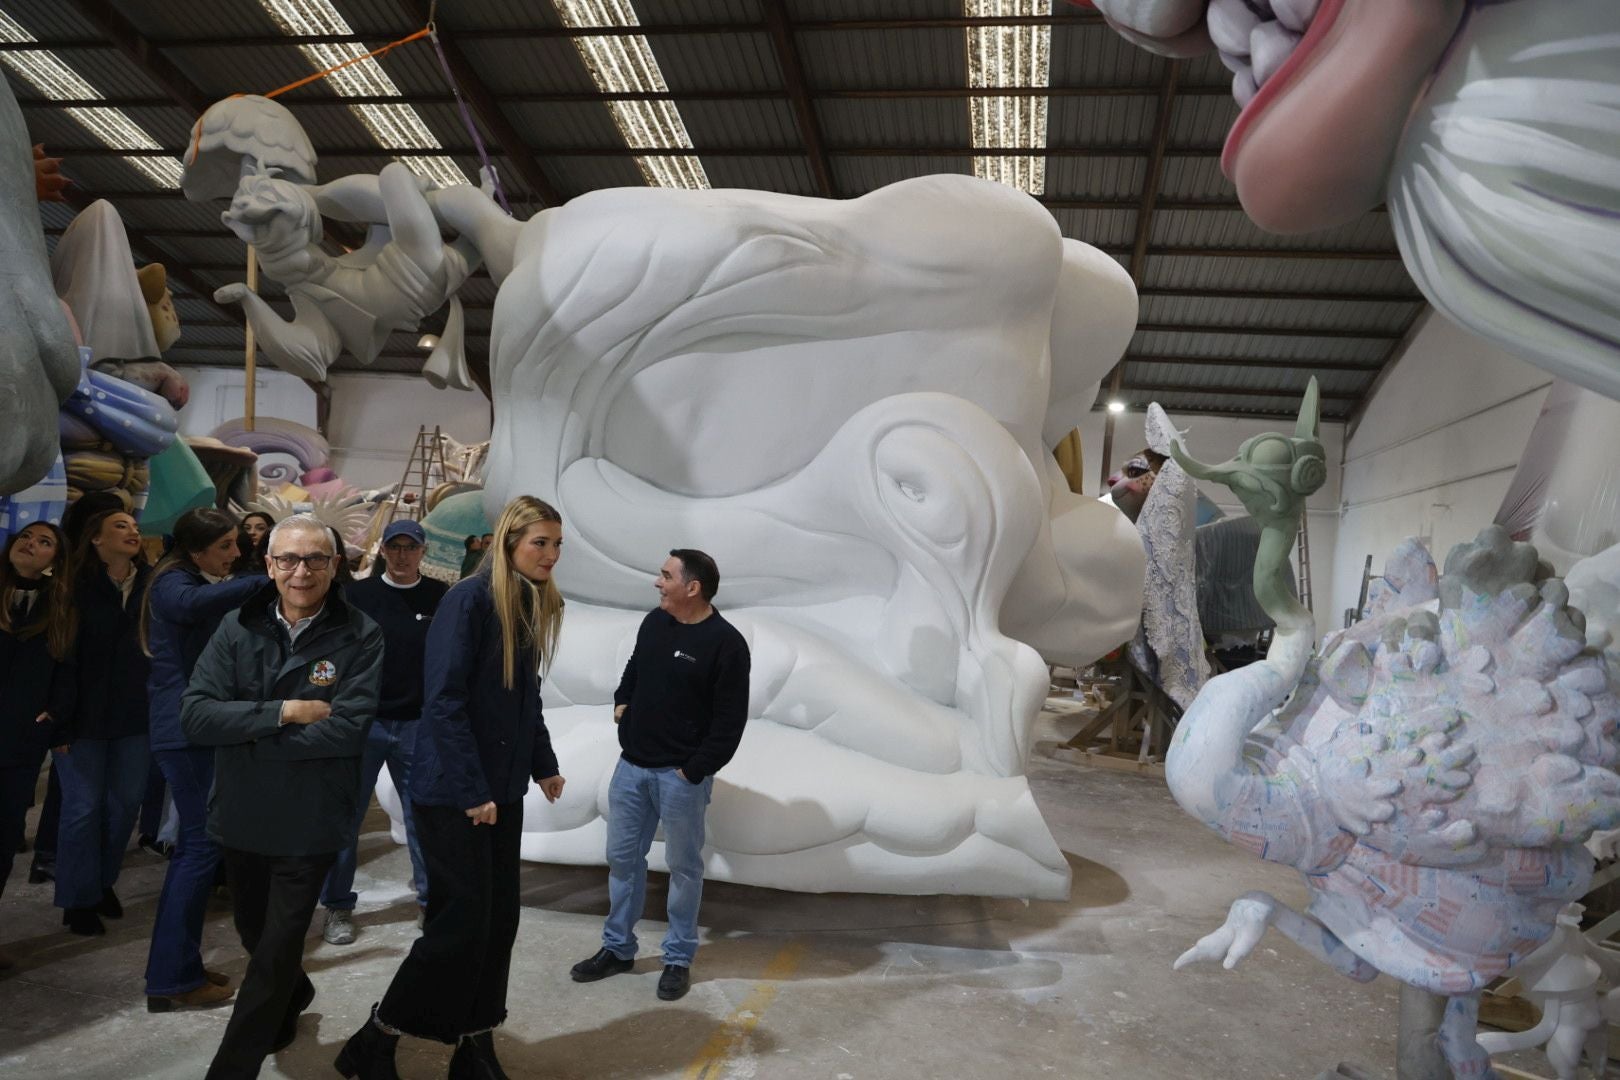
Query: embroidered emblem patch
{"x": 323, "y": 673}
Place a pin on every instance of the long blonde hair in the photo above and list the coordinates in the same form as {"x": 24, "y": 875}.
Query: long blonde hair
{"x": 530, "y": 612}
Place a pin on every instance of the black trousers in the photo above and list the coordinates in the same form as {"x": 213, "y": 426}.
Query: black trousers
{"x": 273, "y": 897}
{"x": 453, "y": 983}
{"x": 17, "y": 784}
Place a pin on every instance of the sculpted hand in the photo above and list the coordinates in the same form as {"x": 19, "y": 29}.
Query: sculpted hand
{"x": 304, "y": 712}
{"x": 1245, "y": 924}
{"x": 232, "y": 293}
{"x": 482, "y": 815}
{"x": 551, "y": 787}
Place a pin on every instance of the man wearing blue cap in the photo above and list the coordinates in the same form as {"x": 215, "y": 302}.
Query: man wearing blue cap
{"x": 402, "y": 602}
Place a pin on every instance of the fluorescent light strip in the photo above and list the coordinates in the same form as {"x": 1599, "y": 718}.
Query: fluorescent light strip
{"x": 45, "y": 72}
{"x": 393, "y": 126}
{"x": 625, "y": 64}
{"x": 1009, "y": 56}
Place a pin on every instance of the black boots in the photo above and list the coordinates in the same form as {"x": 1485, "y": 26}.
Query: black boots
{"x": 84, "y": 921}
{"x": 369, "y": 1053}
{"x": 599, "y": 966}
{"x": 475, "y": 1059}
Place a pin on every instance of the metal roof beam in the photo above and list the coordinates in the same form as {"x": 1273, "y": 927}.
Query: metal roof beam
{"x": 1267, "y": 331}
{"x": 804, "y": 110}
{"x": 1278, "y": 294}
{"x": 1254, "y": 364}
{"x": 1227, "y": 391}
{"x": 483, "y": 103}
{"x": 715, "y": 151}
{"x": 298, "y": 99}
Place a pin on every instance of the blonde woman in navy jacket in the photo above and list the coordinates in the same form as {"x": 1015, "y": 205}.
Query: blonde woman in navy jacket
{"x": 482, "y": 740}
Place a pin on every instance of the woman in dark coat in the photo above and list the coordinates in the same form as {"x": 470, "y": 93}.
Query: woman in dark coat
{"x": 252, "y": 542}
{"x": 36, "y": 639}
{"x": 482, "y": 739}
{"x": 186, "y": 600}
{"x": 104, "y": 770}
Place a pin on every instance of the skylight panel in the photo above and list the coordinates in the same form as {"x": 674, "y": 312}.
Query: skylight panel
{"x": 393, "y": 126}
{"x": 624, "y": 63}
{"x": 1007, "y": 56}
{"x": 45, "y": 72}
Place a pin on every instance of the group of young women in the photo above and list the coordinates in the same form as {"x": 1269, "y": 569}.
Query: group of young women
{"x": 95, "y": 651}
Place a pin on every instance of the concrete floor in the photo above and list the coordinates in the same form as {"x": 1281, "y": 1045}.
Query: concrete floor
{"x": 842, "y": 987}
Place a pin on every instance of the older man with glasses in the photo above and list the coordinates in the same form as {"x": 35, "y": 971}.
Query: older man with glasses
{"x": 402, "y": 602}
{"x": 284, "y": 692}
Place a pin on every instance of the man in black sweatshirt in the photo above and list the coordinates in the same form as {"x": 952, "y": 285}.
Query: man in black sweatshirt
{"x": 402, "y": 602}
{"x": 680, "y": 706}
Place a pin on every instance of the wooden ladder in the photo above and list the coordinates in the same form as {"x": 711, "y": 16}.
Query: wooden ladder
{"x": 423, "y": 472}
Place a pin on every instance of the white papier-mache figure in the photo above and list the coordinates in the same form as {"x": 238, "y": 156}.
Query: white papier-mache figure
{"x": 850, "y": 405}
{"x": 251, "y": 150}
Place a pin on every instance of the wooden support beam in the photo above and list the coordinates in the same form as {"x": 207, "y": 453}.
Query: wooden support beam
{"x": 486, "y": 108}
{"x": 804, "y": 110}
{"x": 323, "y": 405}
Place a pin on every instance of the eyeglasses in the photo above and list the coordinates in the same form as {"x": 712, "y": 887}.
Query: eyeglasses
{"x": 317, "y": 561}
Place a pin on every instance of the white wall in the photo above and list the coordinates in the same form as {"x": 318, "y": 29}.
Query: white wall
{"x": 375, "y": 417}
{"x": 1216, "y": 438}
{"x": 1434, "y": 451}
{"x": 216, "y": 396}
{"x": 373, "y": 421}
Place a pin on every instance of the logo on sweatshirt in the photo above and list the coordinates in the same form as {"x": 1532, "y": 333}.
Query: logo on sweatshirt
{"x": 323, "y": 673}
{"x": 683, "y": 656}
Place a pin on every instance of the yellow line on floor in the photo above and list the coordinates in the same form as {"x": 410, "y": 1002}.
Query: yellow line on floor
{"x": 734, "y": 1029}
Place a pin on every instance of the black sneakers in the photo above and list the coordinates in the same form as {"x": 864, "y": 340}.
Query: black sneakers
{"x": 673, "y": 983}
{"x": 600, "y": 966}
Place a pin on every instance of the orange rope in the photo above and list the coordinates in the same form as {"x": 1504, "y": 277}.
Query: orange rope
{"x": 196, "y": 134}
{"x": 422, "y": 33}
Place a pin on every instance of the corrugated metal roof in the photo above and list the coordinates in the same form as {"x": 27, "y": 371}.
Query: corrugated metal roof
{"x": 881, "y": 84}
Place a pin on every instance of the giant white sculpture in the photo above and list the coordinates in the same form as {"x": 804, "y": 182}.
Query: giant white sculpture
{"x": 848, "y": 405}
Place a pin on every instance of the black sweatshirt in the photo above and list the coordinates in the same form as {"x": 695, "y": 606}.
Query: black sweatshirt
{"x": 404, "y": 613}
{"x": 686, "y": 686}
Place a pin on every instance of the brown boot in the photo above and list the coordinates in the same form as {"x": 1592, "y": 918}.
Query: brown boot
{"x": 218, "y": 978}
{"x": 205, "y": 995}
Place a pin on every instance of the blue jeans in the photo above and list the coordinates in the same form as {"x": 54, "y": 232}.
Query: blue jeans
{"x": 103, "y": 781}
{"x": 174, "y": 962}
{"x": 393, "y": 742}
{"x": 638, "y": 799}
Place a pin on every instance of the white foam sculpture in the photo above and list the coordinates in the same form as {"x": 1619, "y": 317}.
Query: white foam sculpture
{"x": 850, "y": 406}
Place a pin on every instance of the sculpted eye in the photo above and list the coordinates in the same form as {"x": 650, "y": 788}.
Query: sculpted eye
{"x": 1270, "y": 451}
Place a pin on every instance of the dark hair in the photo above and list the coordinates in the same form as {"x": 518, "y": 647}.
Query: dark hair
{"x": 469, "y": 542}
{"x": 195, "y": 530}
{"x": 342, "y": 573}
{"x": 53, "y": 613}
{"x": 269, "y": 521}
{"x": 90, "y": 505}
{"x": 87, "y": 562}
{"x": 697, "y": 566}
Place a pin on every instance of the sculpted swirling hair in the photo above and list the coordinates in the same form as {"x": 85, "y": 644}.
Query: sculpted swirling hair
{"x": 530, "y": 613}
{"x": 53, "y": 613}
{"x": 195, "y": 531}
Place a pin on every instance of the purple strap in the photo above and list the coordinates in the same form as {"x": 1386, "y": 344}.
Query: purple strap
{"x": 466, "y": 118}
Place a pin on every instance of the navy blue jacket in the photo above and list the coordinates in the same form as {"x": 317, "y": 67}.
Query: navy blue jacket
{"x": 186, "y": 610}
{"x": 293, "y": 789}
{"x": 112, "y": 669}
{"x": 478, "y": 741}
{"x": 33, "y": 683}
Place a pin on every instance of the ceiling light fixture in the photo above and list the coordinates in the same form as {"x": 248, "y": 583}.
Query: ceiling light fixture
{"x": 1000, "y": 56}
{"x": 395, "y": 127}
{"x": 45, "y": 72}
{"x": 1116, "y": 407}
{"x": 624, "y": 63}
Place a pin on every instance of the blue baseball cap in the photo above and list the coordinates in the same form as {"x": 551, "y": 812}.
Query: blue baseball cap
{"x": 407, "y": 528}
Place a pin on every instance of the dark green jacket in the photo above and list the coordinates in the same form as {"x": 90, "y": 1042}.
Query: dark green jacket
{"x": 293, "y": 789}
